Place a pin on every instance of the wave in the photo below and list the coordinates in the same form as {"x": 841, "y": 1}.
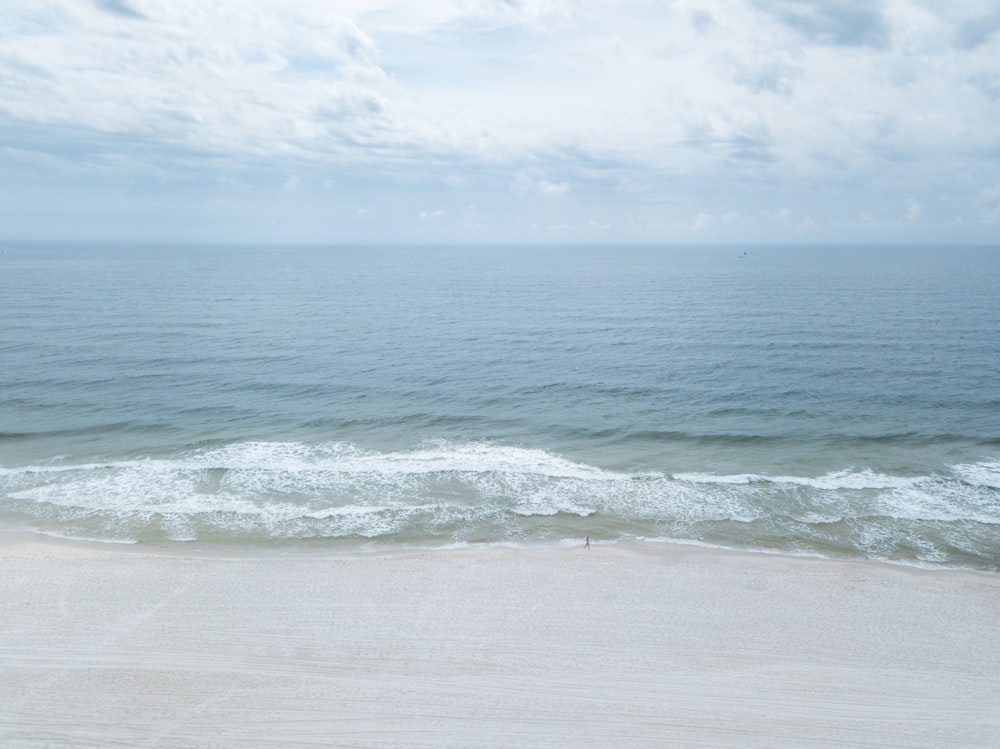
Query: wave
{"x": 346, "y": 458}
{"x": 845, "y": 479}
{"x": 986, "y": 473}
{"x": 476, "y": 491}
{"x": 749, "y": 439}
{"x": 121, "y": 427}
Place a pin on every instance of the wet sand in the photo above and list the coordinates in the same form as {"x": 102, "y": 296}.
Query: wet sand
{"x": 615, "y": 646}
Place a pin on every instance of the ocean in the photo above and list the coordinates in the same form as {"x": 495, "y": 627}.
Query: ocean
{"x": 831, "y": 401}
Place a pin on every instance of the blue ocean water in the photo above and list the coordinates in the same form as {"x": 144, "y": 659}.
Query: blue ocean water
{"x": 839, "y": 401}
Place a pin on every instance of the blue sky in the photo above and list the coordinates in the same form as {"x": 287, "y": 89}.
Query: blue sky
{"x": 499, "y": 121}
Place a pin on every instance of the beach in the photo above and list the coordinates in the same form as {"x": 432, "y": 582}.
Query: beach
{"x": 625, "y": 645}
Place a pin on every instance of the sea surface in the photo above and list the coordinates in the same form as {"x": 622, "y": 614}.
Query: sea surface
{"x": 833, "y": 401}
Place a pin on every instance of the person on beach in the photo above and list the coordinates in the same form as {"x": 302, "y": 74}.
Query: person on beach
{"x": 586, "y": 544}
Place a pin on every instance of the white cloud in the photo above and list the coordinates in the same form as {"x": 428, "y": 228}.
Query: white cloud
{"x": 249, "y": 77}
{"x": 526, "y": 184}
{"x": 655, "y": 111}
{"x": 538, "y": 15}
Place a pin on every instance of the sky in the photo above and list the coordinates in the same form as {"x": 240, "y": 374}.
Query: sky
{"x": 500, "y": 121}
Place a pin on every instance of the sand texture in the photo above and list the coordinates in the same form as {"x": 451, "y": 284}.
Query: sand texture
{"x": 616, "y": 646}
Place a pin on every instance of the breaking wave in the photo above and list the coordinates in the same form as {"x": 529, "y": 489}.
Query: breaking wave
{"x": 447, "y": 492}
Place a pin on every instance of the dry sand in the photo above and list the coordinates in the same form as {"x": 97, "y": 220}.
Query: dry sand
{"x": 616, "y": 646}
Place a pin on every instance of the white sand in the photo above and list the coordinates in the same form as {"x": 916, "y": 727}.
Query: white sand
{"x": 618, "y": 646}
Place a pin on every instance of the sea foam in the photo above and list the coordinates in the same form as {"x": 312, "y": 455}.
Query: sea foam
{"x": 460, "y": 491}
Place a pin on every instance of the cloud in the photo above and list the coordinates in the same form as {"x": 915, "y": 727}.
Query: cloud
{"x": 774, "y": 73}
{"x": 702, "y": 20}
{"x": 987, "y": 84}
{"x": 540, "y": 112}
{"x": 978, "y": 30}
{"x": 740, "y": 141}
{"x": 118, "y": 7}
{"x": 538, "y": 15}
{"x": 209, "y": 78}
{"x": 912, "y": 210}
{"x": 838, "y": 22}
{"x": 526, "y": 184}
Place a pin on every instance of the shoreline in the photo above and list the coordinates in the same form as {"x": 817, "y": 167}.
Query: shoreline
{"x": 36, "y": 543}
{"x": 623, "y": 644}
